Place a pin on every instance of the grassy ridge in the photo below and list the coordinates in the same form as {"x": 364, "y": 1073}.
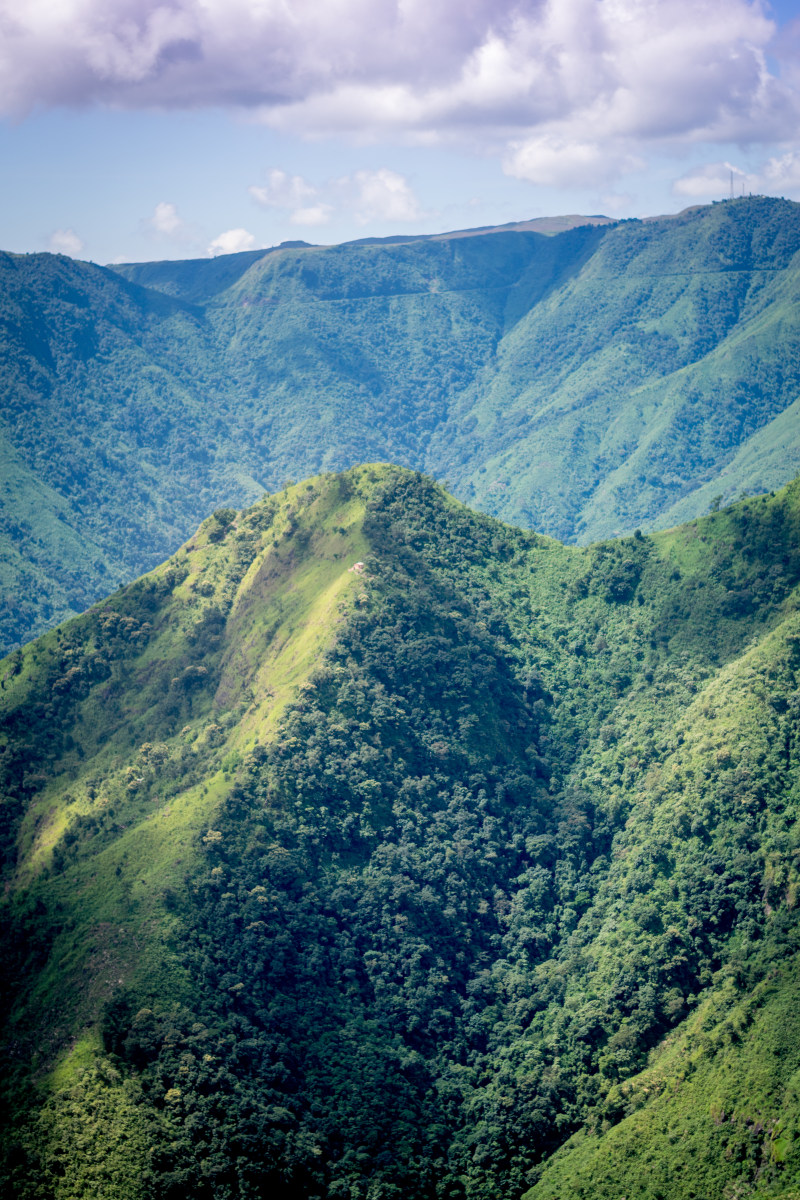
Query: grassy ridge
{"x": 117, "y": 709}
{"x": 470, "y": 871}
{"x": 716, "y": 1109}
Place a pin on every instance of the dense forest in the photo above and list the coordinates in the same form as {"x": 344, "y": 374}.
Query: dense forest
{"x": 605, "y": 378}
{"x": 373, "y": 848}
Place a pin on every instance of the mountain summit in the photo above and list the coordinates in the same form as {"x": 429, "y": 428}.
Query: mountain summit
{"x": 371, "y": 847}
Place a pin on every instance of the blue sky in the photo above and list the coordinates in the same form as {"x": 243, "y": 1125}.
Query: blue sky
{"x": 142, "y": 129}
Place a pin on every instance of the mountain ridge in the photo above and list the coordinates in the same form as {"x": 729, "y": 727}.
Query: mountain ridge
{"x": 138, "y": 272}
{"x": 588, "y": 383}
{"x": 372, "y": 845}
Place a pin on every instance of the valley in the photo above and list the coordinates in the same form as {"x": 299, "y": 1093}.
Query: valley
{"x": 583, "y": 383}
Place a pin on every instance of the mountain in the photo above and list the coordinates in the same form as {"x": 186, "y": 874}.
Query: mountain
{"x": 373, "y": 847}
{"x": 584, "y": 383}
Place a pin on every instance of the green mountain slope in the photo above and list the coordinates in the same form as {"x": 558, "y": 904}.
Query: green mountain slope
{"x": 107, "y": 447}
{"x": 585, "y": 383}
{"x": 372, "y": 847}
{"x": 638, "y": 382}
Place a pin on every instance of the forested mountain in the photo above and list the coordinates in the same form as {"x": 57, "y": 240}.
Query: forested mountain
{"x": 372, "y": 848}
{"x": 587, "y": 383}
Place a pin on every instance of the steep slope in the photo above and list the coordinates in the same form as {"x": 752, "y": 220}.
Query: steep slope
{"x": 585, "y": 383}
{"x": 106, "y": 439}
{"x": 716, "y": 1110}
{"x": 642, "y": 380}
{"x": 371, "y": 847}
{"x": 128, "y": 414}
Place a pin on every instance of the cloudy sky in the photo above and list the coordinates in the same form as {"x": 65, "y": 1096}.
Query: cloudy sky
{"x": 142, "y": 129}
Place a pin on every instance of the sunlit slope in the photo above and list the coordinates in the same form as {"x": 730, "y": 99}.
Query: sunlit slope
{"x": 583, "y": 384}
{"x": 715, "y": 1111}
{"x": 641, "y": 380}
{"x": 717, "y": 1105}
{"x": 121, "y": 728}
{"x": 385, "y": 338}
{"x": 391, "y": 881}
{"x": 130, "y": 414}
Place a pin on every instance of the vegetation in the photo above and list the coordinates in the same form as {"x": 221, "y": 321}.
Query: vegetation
{"x": 373, "y": 848}
{"x": 584, "y": 384}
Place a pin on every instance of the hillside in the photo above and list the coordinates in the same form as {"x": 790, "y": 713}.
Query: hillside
{"x": 370, "y": 847}
{"x": 584, "y": 383}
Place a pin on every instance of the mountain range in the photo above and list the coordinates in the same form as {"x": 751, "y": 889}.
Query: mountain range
{"x": 583, "y": 378}
{"x": 372, "y": 847}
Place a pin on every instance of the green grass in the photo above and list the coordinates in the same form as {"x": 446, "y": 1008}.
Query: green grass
{"x": 283, "y": 612}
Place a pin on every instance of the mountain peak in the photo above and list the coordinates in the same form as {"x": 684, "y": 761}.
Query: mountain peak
{"x": 272, "y": 820}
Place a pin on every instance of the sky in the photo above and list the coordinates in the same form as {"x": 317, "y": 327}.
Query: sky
{"x": 134, "y": 130}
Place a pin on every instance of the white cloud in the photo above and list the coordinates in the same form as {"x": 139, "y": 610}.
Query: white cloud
{"x": 317, "y": 214}
{"x": 586, "y": 71}
{"x": 656, "y": 67}
{"x": 294, "y": 194}
{"x": 283, "y": 191}
{"x": 383, "y": 195}
{"x": 568, "y": 91}
{"x": 782, "y": 174}
{"x": 712, "y": 181}
{"x": 231, "y": 242}
{"x": 558, "y": 161}
{"x": 65, "y": 241}
{"x": 166, "y": 220}
{"x": 376, "y": 195}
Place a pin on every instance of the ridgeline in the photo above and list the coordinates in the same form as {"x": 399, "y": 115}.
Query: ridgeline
{"x": 372, "y": 848}
{"x": 605, "y": 378}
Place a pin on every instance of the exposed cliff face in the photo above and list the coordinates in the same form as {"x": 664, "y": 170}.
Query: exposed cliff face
{"x": 387, "y": 881}
{"x": 583, "y": 384}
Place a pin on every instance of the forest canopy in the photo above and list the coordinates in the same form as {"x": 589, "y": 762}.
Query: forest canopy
{"x": 471, "y": 873}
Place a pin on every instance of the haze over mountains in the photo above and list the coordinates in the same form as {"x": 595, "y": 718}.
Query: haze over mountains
{"x": 585, "y": 384}
{"x": 373, "y": 848}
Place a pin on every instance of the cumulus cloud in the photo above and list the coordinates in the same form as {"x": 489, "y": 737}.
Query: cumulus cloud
{"x": 283, "y": 191}
{"x": 231, "y": 242}
{"x": 65, "y": 241}
{"x": 559, "y": 161}
{"x": 383, "y": 195}
{"x": 567, "y": 92}
{"x": 713, "y": 181}
{"x": 420, "y": 69}
{"x": 295, "y": 195}
{"x": 166, "y": 220}
{"x": 605, "y": 74}
{"x": 782, "y": 174}
{"x": 376, "y": 195}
